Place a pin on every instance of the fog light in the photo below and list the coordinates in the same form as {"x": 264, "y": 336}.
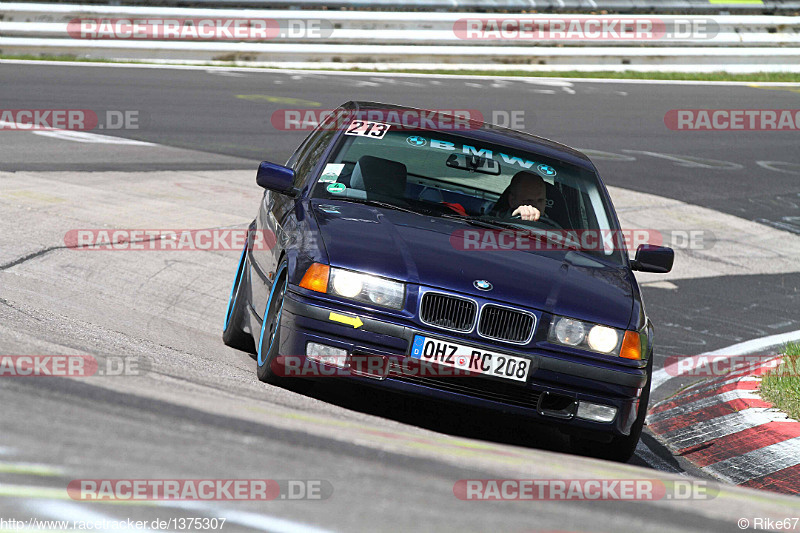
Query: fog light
{"x": 328, "y": 355}
{"x": 596, "y": 412}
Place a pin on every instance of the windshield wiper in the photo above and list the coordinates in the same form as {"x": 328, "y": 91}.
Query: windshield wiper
{"x": 376, "y": 203}
{"x": 480, "y": 222}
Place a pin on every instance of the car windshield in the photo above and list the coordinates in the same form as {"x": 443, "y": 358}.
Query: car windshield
{"x": 446, "y": 174}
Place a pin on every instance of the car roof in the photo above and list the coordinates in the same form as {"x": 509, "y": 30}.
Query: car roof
{"x": 491, "y": 133}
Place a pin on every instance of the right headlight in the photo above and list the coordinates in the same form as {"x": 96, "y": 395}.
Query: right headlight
{"x": 355, "y": 286}
{"x": 595, "y": 337}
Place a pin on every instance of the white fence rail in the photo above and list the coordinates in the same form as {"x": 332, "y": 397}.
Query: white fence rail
{"x": 739, "y": 43}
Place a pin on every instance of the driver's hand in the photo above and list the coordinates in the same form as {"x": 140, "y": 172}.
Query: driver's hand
{"x": 527, "y": 212}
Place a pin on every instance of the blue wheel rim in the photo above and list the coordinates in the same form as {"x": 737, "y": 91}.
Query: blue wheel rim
{"x": 236, "y": 281}
{"x": 277, "y": 318}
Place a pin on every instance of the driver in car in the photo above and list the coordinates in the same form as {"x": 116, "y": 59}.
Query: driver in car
{"x": 525, "y": 196}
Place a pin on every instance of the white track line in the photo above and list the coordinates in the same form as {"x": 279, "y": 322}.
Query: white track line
{"x": 737, "y": 394}
{"x": 663, "y": 375}
{"x": 86, "y": 137}
{"x": 72, "y": 135}
{"x": 706, "y": 386}
{"x": 73, "y": 512}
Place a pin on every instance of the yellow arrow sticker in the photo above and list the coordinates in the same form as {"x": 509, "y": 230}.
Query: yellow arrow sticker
{"x": 344, "y": 319}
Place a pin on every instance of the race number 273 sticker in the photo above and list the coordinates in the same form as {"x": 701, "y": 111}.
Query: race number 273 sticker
{"x": 375, "y": 130}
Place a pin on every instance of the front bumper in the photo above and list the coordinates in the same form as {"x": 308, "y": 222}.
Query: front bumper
{"x": 556, "y": 376}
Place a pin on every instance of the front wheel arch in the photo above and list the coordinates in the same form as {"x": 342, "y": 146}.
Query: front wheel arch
{"x": 232, "y": 333}
{"x": 266, "y": 354}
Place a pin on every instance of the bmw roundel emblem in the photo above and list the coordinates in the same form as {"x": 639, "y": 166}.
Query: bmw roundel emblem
{"x": 546, "y": 170}
{"x": 416, "y": 140}
{"x": 482, "y": 285}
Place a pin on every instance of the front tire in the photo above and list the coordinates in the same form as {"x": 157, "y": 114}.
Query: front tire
{"x": 232, "y": 334}
{"x": 269, "y": 341}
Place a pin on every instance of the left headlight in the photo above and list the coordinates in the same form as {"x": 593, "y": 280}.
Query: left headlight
{"x": 355, "y": 286}
{"x": 587, "y": 336}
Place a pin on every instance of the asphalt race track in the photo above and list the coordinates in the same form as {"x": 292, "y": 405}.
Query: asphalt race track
{"x": 196, "y": 410}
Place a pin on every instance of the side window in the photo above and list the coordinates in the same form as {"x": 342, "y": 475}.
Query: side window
{"x": 312, "y": 156}
{"x": 303, "y": 162}
{"x": 309, "y": 153}
{"x": 291, "y": 161}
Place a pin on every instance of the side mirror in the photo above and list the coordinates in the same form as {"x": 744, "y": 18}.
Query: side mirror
{"x": 651, "y": 258}
{"x": 276, "y": 178}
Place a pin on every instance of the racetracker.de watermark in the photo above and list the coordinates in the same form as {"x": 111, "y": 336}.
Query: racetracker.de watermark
{"x": 70, "y": 119}
{"x": 733, "y": 119}
{"x": 213, "y": 239}
{"x": 74, "y": 366}
{"x": 723, "y": 365}
{"x": 583, "y": 240}
{"x": 405, "y": 120}
{"x": 192, "y": 29}
{"x": 436, "y": 365}
{"x": 583, "y": 489}
{"x": 198, "y": 489}
{"x": 586, "y": 28}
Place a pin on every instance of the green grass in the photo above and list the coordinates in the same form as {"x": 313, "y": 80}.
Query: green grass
{"x": 65, "y": 57}
{"x": 628, "y": 74}
{"x": 782, "y": 386}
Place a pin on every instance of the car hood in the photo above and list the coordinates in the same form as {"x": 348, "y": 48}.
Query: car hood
{"x": 417, "y": 249}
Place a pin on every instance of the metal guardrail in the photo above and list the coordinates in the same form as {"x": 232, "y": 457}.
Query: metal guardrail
{"x": 377, "y": 39}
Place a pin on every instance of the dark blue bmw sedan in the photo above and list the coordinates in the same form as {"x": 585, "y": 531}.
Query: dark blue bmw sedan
{"x": 434, "y": 255}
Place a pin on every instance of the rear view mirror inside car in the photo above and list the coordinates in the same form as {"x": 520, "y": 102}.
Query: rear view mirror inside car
{"x": 474, "y": 163}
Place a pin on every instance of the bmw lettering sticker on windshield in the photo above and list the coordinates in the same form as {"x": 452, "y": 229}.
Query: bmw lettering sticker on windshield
{"x": 546, "y": 171}
{"x": 365, "y": 128}
{"x": 331, "y": 172}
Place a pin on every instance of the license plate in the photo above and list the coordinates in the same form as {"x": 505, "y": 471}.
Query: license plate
{"x": 475, "y": 360}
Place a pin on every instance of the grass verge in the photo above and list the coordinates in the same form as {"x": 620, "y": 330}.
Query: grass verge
{"x": 782, "y": 386}
{"x": 626, "y": 75}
